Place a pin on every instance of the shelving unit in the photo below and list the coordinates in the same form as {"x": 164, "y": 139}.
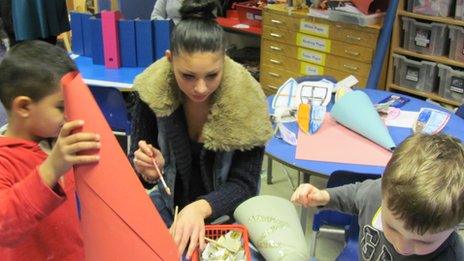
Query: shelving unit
{"x": 397, "y": 48}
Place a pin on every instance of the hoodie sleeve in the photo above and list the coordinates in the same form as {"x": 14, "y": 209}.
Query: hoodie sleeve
{"x": 23, "y": 205}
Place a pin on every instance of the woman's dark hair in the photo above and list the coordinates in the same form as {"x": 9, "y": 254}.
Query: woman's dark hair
{"x": 198, "y": 30}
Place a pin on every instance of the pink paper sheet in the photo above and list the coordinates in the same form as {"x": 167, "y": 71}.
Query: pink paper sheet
{"x": 118, "y": 220}
{"x": 335, "y": 143}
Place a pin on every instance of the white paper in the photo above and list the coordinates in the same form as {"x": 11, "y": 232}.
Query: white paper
{"x": 405, "y": 119}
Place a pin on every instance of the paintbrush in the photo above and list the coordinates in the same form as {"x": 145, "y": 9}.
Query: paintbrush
{"x": 166, "y": 188}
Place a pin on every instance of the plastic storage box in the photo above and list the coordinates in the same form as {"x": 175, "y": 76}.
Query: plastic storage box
{"x": 420, "y": 75}
{"x": 451, "y": 83}
{"x": 456, "y": 35}
{"x": 430, "y": 7}
{"x": 425, "y": 38}
{"x": 459, "y": 13}
{"x": 354, "y": 18}
{"x": 216, "y": 231}
{"x": 249, "y": 13}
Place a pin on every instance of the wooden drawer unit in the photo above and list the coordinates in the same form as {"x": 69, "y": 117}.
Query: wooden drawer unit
{"x": 294, "y": 44}
{"x": 363, "y": 36}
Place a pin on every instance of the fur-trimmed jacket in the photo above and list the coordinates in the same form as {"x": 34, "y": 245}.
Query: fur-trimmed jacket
{"x": 235, "y": 133}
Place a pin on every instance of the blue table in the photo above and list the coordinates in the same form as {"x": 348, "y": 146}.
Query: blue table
{"x": 98, "y": 75}
{"x": 278, "y": 150}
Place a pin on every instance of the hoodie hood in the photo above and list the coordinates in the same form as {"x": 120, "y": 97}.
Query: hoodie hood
{"x": 17, "y": 142}
{"x": 238, "y": 118}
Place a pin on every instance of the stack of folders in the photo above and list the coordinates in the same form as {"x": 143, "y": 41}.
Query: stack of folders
{"x": 115, "y": 42}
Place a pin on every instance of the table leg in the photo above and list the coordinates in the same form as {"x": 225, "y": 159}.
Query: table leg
{"x": 269, "y": 170}
{"x": 304, "y": 211}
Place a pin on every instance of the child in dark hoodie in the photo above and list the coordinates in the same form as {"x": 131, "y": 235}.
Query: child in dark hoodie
{"x": 38, "y": 213}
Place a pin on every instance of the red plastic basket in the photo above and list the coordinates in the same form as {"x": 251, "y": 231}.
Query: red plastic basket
{"x": 216, "y": 231}
{"x": 248, "y": 13}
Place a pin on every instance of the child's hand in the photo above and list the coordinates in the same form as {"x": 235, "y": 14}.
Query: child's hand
{"x": 65, "y": 152}
{"x": 143, "y": 161}
{"x": 310, "y": 196}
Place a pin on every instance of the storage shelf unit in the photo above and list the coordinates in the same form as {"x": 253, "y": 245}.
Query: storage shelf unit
{"x": 398, "y": 49}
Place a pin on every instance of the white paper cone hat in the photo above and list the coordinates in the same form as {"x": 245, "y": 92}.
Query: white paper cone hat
{"x": 274, "y": 228}
{"x": 355, "y": 111}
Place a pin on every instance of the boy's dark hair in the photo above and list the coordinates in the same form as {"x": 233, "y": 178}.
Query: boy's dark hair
{"x": 33, "y": 69}
{"x": 198, "y": 30}
{"x": 423, "y": 183}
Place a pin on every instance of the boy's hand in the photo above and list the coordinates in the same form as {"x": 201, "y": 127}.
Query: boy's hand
{"x": 143, "y": 161}
{"x": 310, "y": 196}
{"x": 65, "y": 152}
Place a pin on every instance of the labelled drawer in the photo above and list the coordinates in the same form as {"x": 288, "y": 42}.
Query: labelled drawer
{"x": 351, "y": 51}
{"x": 279, "y": 48}
{"x": 279, "y": 61}
{"x": 311, "y": 69}
{"x": 336, "y": 62}
{"x": 282, "y": 36}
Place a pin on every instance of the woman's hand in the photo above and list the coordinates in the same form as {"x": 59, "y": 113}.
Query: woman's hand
{"x": 190, "y": 226}
{"x": 310, "y": 196}
{"x": 143, "y": 161}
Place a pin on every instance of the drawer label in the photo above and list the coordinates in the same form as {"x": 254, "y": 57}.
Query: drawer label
{"x": 311, "y": 56}
{"x": 311, "y": 42}
{"x": 457, "y": 85}
{"x": 311, "y": 69}
{"x": 314, "y": 28}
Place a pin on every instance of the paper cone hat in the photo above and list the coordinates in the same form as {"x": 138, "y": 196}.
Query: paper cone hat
{"x": 274, "y": 228}
{"x": 118, "y": 220}
{"x": 355, "y": 111}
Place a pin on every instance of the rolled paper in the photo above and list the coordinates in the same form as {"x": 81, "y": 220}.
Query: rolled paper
{"x": 274, "y": 227}
{"x": 118, "y": 219}
{"x": 355, "y": 111}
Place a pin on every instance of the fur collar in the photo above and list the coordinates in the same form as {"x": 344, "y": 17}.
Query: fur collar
{"x": 238, "y": 118}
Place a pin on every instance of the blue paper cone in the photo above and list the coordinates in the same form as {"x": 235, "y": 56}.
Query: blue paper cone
{"x": 356, "y": 112}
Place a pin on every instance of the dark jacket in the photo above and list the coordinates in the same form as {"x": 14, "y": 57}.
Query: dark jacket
{"x": 235, "y": 133}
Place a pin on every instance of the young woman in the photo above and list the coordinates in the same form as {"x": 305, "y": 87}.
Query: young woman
{"x": 203, "y": 119}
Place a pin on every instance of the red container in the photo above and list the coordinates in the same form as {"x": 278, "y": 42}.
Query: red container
{"x": 216, "y": 231}
{"x": 248, "y": 13}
